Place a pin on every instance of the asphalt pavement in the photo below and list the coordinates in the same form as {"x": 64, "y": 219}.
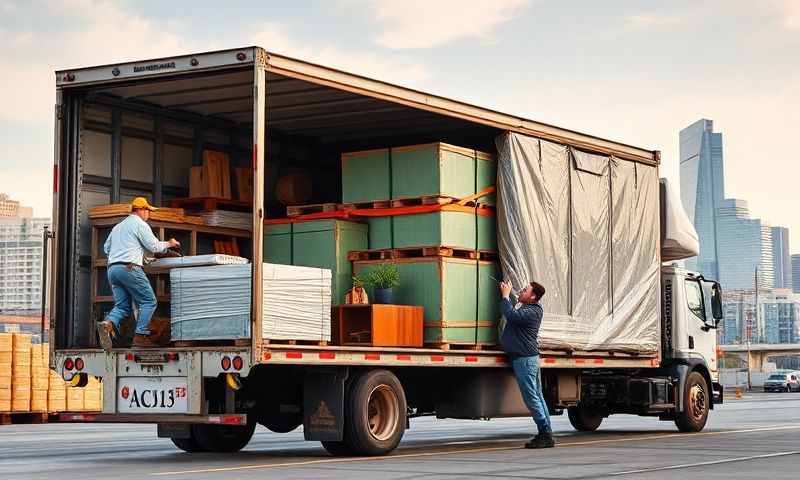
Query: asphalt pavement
{"x": 756, "y": 436}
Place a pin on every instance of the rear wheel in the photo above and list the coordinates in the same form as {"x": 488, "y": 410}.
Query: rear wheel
{"x": 282, "y": 422}
{"x": 188, "y": 445}
{"x": 222, "y": 438}
{"x": 375, "y": 415}
{"x": 583, "y": 419}
{"x": 695, "y": 404}
{"x": 337, "y": 449}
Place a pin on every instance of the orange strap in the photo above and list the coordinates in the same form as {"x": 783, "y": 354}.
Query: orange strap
{"x": 486, "y": 191}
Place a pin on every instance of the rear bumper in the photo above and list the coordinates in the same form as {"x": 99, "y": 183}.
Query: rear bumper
{"x": 718, "y": 392}
{"x": 220, "y": 419}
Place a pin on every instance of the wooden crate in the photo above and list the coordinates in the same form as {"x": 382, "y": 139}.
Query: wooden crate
{"x": 458, "y": 297}
{"x": 320, "y": 244}
{"x": 437, "y": 169}
{"x": 378, "y": 325}
{"x": 365, "y": 176}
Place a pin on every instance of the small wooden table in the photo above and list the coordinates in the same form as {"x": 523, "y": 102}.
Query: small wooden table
{"x": 378, "y": 325}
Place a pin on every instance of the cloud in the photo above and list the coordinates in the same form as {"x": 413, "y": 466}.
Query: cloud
{"x": 425, "y": 24}
{"x": 275, "y": 38}
{"x": 645, "y": 21}
{"x": 790, "y": 14}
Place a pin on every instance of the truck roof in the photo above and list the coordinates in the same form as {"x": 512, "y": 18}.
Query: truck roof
{"x": 284, "y": 66}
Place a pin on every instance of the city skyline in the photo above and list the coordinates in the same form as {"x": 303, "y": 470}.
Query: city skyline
{"x": 635, "y": 74}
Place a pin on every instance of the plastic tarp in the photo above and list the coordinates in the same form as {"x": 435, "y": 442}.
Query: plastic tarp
{"x": 168, "y": 263}
{"x": 586, "y": 227}
{"x": 679, "y": 238}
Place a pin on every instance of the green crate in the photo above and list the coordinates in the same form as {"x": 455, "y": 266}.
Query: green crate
{"x": 432, "y": 169}
{"x": 485, "y": 176}
{"x": 321, "y": 244}
{"x": 447, "y": 228}
{"x": 461, "y": 335}
{"x": 488, "y": 291}
{"x": 366, "y": 176}
{"x": 380, "y": 232}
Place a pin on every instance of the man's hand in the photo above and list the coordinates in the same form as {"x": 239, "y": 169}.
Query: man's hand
{"x": 505, "y": 289}
{"x": 174, "y": 243}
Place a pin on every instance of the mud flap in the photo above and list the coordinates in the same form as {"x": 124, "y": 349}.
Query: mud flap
{"x": 323, "y": 404}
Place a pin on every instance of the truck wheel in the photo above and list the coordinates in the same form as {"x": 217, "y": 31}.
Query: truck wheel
{"x": 584, "y": 420}
{"x": 188, "y": 445}
{"x": 375, "y": 413}
{"x": 222, "y": 438}
{"x": 695, "y": 404}
{"x": 337, "y": 449}
{"x": 282, "y": 422}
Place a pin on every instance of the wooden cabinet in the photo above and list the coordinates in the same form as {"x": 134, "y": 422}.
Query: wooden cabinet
{"x": 378, "y": 325}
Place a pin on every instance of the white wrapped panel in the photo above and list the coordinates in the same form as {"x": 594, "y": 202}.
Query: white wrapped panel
{"x": 585, "y": 226}
{"x": 679, "y": 238}
{"x": 161, "y": 264}
{"x": 297, "y": 303}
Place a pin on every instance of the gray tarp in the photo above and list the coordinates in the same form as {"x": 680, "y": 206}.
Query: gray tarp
{"x": 586, "y": 227}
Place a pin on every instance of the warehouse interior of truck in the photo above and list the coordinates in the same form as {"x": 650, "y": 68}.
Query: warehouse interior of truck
{"x": 124, "y": 140}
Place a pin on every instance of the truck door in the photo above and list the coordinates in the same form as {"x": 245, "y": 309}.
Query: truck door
{"x": 701, "y": 325}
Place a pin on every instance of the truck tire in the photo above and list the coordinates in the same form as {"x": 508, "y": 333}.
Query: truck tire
{"x": 375, "y": 414}
{"x": 337, "y": 449}
{"x": 696, "y": 400}
{"x": 584, "y": 420}
{"x": 281, "y": 422}
{"x": 222, "y": 438}
{"x": 188, "y": 445}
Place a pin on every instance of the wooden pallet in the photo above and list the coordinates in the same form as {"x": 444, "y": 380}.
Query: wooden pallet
{"x": 461, "y": 346}
{"x": 212, "y": 203}
{"x": 425, "y": 200}
{"x": 295, "y": 210}
{"x": 372, "y": 205}
{"x": 419, "y": 252}
{"x": 239, "y": 342}
{"x": 9, "y": 418}
{"x": 318, "y": 343}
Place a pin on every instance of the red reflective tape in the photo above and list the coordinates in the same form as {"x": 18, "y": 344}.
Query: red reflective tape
{"x": 327, "y": 355}
{"x": 294, "y": 354}
{"x": 372, "y": 356}
{"x": 599, "y": 361}
{"x": 500, "y": 359}
{"x": 580, "y": 361}
{"x": 231, "y": 420}
{"x": 549, "y": 360}
{"x": 267, "y": 356}
{"x": 470, "y": 359}
{"x": 404, "y": 357}
{"x": 255, "y": 156}
{"x": 55, "y": 178}
{"x": 437, "y": 358}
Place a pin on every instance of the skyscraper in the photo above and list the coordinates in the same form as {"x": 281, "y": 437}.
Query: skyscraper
{"x": 20, "y": 259}
{"x": 744, "y": 244}
{"x": 702, "y": 189}
{"x": 796, "y": 273}
{"x": 781, "y": 260}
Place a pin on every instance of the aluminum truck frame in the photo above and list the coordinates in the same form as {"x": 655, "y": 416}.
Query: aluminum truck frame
{"x": 355, "y": 400}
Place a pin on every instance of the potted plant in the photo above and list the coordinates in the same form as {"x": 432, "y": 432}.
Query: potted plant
{"x": 383, "y": 278}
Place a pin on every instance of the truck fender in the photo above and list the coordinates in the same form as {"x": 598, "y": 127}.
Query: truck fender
{"x": 680, "y": 371}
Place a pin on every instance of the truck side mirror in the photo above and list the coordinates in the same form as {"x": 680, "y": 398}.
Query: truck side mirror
{"x": 716, "y": 303}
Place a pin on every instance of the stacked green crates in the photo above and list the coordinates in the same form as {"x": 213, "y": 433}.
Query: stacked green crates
{"x": 453, "y": 226}
{"x": 459, "y": 297}
{"x": 317, "y": 243}
{"x": 366, "y": 176}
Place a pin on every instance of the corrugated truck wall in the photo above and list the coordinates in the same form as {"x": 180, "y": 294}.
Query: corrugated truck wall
{"x": 589, "y": 234}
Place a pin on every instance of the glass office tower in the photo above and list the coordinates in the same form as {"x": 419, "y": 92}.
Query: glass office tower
{"x": 744, "y": 244}
{"x": 702, "y": 189}
{"x": 781, "y": 260}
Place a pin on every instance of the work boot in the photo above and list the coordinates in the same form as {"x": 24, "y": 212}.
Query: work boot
{"x": 106, "y": 331}
{"x": 143, "y": 341}
{"x": 542, "y": 440}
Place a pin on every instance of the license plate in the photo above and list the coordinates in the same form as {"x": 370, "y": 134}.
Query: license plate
{"x": 152, "y": 395}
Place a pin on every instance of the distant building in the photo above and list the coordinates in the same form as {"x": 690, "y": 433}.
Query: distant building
{"x": 20, "y": 259}
{"x": 781, "y": 260}
{"x": 777, "y": 320}
{"x": 744, "y": 245}
{"x": 702, "y": 189}
{"x": 796, "y": 273}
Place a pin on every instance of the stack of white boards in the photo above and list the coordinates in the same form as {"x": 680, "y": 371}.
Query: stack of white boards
{"x": 213, "y": 303}
{"x": 163, "y": 264}
{"x": 229, "y": 219}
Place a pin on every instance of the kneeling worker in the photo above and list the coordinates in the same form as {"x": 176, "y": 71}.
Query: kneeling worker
{"x": 125, "y": 248}
{"x": 520, "y": 340}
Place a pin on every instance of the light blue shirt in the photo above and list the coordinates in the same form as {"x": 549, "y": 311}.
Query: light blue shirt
{"x": 129, "y": 239}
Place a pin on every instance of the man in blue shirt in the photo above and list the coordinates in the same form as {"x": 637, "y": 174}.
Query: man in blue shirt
{"x": 125, "y": 248}
{"x": 520, "y": 340}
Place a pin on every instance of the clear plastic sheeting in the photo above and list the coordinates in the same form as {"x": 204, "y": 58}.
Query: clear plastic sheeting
{"x": 297, "y": 303}
{"x": 586, "y": 227}
{"x": 168, "y": 263}
{"x": 679, "y": 238}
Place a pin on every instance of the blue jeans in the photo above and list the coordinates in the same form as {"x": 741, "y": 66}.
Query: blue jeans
{"x": 131, "y": 284}
{"x": 526, "y": 370}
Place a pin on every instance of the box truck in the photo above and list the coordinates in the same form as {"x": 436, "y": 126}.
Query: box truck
{"x": 636, "y": 338}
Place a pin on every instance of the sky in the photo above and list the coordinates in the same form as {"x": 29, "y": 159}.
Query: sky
{"x": 631, "y": 71}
